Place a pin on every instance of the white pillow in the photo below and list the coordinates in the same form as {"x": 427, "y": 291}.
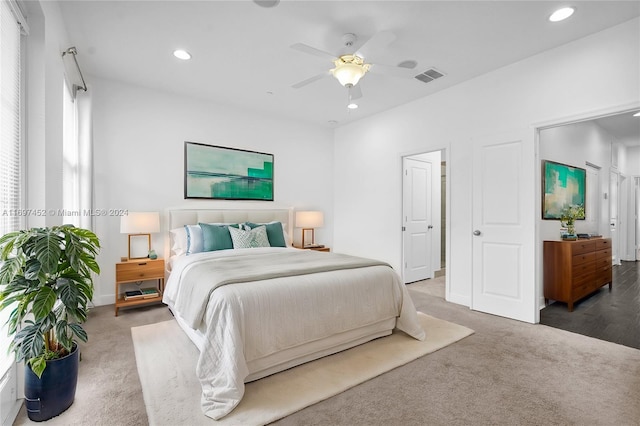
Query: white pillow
{"x": 178, "y": 241}
{"x": 195, "y": 240}
{"x": 257, "y": 237}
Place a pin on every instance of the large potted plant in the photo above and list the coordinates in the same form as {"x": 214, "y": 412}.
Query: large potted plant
{"x": 46, "y": 282}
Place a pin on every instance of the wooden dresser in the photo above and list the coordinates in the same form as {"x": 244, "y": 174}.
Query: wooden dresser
{"x": 574, "y": 269}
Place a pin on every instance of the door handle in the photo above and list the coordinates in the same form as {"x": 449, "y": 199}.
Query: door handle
{"x": 430, "y": 227}
{"x": 477, "y": 233}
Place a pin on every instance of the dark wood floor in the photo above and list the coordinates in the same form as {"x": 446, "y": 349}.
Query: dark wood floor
{"x": 607, "y": 315}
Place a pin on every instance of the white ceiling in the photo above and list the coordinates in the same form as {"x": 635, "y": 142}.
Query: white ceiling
{"x": 241, "y": 53}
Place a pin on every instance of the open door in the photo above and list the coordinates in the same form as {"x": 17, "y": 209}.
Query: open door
{"x": 417, "y": 203}
{"x": 503, "y": 229}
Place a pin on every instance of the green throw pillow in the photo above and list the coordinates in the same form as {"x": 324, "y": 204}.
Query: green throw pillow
{"x": 274, "y": 233}
{"x": 216, "y": 237}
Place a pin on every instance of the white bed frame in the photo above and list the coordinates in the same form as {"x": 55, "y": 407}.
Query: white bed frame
{"x": 176, "y": 218}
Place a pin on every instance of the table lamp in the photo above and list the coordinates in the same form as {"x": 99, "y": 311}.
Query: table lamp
{"x": 139, "y": 226}
{"x": 308, "y": 221}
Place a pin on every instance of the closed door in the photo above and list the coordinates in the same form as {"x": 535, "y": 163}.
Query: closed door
{"x": 503, "y": 236}
{"x": 417, "y": 220}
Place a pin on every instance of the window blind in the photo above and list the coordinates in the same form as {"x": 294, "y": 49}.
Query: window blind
{"x": 10, "y": 123}
{"x": 10, "y": 140}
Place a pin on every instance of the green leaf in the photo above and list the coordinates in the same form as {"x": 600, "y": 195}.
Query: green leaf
{"x": 90, "y": 261}
{"x": 9, "y": 269}
{"x": 29, "y": 342}
{"x": 43, "y": 303}
{"x": 38, "y": 364}
{"x": 79, "y": 331}
{"x": 48, "y": 251}
{"x": 32, "y": 269}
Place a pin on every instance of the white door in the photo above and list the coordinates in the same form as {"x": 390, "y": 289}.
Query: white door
{"x": 613, "y": 215}
{"x": 503, "y": 228}
{"x": 417, "y": 220}
{"x": 592, "y": 204}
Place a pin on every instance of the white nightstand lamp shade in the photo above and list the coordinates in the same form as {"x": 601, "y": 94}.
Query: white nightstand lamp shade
{"x": 139, "y": 226}
{"x": 308, "y": 221}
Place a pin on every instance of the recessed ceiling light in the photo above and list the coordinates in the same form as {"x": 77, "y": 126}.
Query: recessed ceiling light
{"x": 267, "y": 3}
{"x": 182, "y": 54}
{"x": 637, "y": 114}
{"x": 561, "y": 14}
{"x": 352, "y": 105}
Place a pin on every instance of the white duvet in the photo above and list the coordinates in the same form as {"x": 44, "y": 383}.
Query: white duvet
{"x": 247, "y": 325}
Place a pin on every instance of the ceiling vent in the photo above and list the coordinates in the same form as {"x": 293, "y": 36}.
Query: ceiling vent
{"x": 429, "y": 75}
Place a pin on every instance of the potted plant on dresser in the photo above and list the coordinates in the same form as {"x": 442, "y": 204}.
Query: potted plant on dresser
{"x": 46, "y": 281}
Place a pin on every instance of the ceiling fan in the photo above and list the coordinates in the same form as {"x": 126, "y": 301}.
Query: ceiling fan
{"x": 351, "y": 67}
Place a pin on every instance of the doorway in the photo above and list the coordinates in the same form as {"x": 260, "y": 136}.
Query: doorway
{"x": 607, "y": 147}
{"x": 424, "y": 223}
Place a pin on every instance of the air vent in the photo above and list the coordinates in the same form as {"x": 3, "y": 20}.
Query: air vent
{"x": 429, "y": 75}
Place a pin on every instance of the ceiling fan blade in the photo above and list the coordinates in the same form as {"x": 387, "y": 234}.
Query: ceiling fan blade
{"x": 355, "y": 92}
{"x": 313, "y": 51}
{"x": 393, "y": 71}
{"x": 311, "y": 80}
{"x": 378, "y": 40}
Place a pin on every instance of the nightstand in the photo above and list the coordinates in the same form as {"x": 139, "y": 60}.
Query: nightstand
{"x": 136, "y": 270}
{"x": 327, "y": 249}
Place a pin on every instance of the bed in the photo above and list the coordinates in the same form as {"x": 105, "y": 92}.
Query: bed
{"x": 253, "y": 312}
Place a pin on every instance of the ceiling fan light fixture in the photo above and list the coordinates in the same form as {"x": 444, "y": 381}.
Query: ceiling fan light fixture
{"x": 349, "y": 69}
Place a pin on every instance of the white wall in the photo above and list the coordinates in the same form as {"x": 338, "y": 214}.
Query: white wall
{"x": 139, "y": 137}
{"x": 558, "y": 83}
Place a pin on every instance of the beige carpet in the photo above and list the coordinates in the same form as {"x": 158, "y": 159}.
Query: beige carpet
{"x": 166, "y": 362}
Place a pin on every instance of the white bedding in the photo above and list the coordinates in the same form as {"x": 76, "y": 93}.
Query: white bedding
{"x": 255, "y": 328}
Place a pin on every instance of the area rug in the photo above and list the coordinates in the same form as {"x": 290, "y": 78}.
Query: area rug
{"x": 166, "y": 361}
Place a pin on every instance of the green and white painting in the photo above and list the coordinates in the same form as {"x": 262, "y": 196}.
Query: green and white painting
{"x": 564, "y": 187}
{"x": 227, "y": 173}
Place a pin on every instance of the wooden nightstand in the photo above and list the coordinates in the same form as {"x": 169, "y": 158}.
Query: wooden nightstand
{"x": 327, "y": 249}
{"x": 139, "y": 270}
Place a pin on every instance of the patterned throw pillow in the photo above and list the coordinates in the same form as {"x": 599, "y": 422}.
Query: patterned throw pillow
{"x": 257, "y": 237}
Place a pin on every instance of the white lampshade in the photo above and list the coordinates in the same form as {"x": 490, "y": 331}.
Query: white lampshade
{"x": 309, "y": 219}
{"x": 140, "y": 223}
{"x": 348, "y": 73}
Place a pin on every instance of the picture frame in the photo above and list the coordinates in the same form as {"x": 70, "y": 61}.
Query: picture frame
{"x": 223, "y": 173}
{"x": 563, "y": 186}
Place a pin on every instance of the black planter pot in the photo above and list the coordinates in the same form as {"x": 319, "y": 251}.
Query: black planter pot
{"x": 53, "y": 393}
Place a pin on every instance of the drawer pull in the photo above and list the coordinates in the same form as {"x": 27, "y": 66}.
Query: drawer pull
{"x": 142, "y": 264}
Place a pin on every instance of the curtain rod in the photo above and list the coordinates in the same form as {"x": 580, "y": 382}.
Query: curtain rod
{"x": 73, "y": 51}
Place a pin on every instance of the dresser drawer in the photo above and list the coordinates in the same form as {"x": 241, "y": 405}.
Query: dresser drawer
{"x": 581, "y": 280}
{"x": 139, "y": 271}
{"x": 604, "y": 262}
{"x": 580, "y": 247}
{"x": 601, "y": 254}
{"x": 603, "y": 243}
{"x": 603, "y": 276}
{"x": 583, "y": 268}
{"x": 583, "y": 258}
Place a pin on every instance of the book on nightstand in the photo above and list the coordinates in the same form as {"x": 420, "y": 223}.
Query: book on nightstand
{"x": 148, "y": 293}
{"x": 133, "y": 294}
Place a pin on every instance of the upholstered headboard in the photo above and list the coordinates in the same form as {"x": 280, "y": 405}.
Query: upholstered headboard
{"x": 176, "y": 218}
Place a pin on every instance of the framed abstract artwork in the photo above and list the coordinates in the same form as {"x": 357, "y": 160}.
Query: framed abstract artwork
{"x": 217, "y": 172}
{"x": 563, "y": 186}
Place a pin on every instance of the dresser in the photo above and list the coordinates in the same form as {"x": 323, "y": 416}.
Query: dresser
{"x": 575, "y": 269}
